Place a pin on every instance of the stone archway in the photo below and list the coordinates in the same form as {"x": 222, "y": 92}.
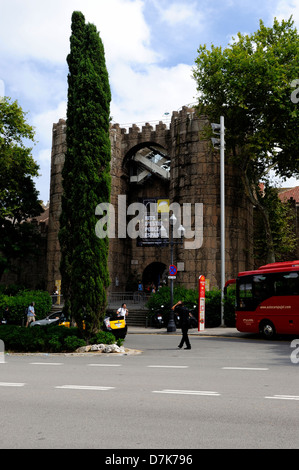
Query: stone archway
{"x": 145, "y": 160}
{"x": 153, "y": 274}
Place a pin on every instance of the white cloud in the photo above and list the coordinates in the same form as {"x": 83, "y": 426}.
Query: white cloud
{"x": 41, "y": 30}
{"x": 44, "y": 121}
{"x": 34, "y": 43}
{"x": 144, "y": 96}
{"x": 177, "y": 13}
{"x": 2, "y": 88}
{"x": 286, "y": 8}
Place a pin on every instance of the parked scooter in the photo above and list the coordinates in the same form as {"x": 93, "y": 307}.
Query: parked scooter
{"x": 157, "y": 317}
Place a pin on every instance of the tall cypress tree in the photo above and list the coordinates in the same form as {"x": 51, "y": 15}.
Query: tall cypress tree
{"x": 86, "y": 177}
{"x": 77, "y": 45}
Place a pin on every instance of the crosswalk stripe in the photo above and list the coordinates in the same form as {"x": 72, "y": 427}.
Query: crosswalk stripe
{"x": 46, "y": 363}
{"x": 84, "y": 387}
{"x": 245, "y": 368}
{"x": 10, "y": 384}
{"x": 105, "y": 365}
{"x": 188, "y": 392}
{"x": 284, "y": 397}
{"x": 169, "y": 367}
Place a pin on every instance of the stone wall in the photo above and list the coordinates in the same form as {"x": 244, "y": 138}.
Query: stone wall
{"x": 57, "y": 162}
{"x": 194, "y": 178}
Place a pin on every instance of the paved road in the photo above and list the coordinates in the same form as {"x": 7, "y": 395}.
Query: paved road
{"x": 223, "y": 393}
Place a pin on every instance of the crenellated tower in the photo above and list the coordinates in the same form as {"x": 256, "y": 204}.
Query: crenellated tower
{"x": 152, "y": 165}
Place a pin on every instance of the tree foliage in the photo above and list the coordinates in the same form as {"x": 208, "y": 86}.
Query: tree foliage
{"x": 18, "y": 195}
{"x": 86, "y": 177}
{"x": 283, "y": 226}
{"x": 249, "y": 83}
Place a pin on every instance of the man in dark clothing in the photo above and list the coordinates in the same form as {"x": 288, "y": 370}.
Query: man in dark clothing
{"x": 184, "y": 320}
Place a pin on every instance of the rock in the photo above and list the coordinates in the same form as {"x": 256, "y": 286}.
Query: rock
{"x": 104, "y": 348}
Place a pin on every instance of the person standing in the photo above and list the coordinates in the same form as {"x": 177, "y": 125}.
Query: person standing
{"x": 140, "y": 286}
{"x": 184, "y": 321}
{"x": 30, "y": 314}
{"x": 5, "y": 316}
{"x": 123, "y": 311}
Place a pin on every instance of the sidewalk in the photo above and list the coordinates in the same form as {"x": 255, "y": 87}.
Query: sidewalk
{"x": 220, "y": 331}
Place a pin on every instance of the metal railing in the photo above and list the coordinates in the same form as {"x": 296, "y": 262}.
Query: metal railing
{"x": 115, "y": 299}
{"x": 57, "y": 300}
{"x": 130, "y": 298}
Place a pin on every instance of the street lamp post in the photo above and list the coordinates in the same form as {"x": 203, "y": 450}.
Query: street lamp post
{"x": 219, "y": 143}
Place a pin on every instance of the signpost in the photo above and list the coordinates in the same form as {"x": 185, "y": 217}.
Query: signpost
{"x": 201, "y": 302}
{"x": 172, "y": 270}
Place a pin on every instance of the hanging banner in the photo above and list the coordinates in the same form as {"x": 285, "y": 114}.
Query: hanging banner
{"x": 201, "y": 302}
{"x": 152, "y": 223}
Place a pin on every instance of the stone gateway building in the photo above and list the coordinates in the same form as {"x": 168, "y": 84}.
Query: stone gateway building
{"x": 169, "y": 166}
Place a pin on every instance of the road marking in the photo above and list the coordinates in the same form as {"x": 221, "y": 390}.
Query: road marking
{"x": 284, "y": 397}
{"x": 8, "y": 384}
{"x": 105, "y": 365}
{"x": 47, "y": 363}
{"x": 170, "y": 367}
{"x": 188, "y": 392}
{"x": 84, "y": 387}
{"x": 245, "y": 368}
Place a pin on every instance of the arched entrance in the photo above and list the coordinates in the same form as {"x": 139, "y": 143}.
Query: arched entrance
{"x": 145, "y": 160}
{"x": 153, "y": 276}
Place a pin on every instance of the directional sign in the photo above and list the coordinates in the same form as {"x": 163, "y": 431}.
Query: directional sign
{"x": 172, "y": 270}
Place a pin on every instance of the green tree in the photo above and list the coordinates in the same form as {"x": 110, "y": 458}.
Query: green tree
{"x": 18, "y": 195}
{"x": 249, "y": 83}
{"x": 283, "y": 226}
{"x": 86, "y": 178}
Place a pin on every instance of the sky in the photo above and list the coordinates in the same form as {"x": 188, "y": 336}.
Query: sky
{"x": 150, "y": 49}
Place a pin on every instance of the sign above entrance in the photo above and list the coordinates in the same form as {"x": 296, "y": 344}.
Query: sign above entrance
{"x": 152, "y": 222}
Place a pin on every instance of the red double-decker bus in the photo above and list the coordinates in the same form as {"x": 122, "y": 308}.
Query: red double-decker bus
{"x": 267, "y": 300}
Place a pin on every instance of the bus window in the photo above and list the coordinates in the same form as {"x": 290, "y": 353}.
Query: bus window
{"x": 263, "y": 287}
{"x": 286, "y": 283}
{"x": 245, "y": 296}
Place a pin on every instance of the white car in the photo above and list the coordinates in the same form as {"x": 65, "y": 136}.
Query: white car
{"x": 52, "y": 319}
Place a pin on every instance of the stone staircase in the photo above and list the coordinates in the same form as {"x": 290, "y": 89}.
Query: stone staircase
{"x": 137, "y": 318}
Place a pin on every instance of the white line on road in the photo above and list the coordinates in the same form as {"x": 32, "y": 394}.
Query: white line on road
{"x": 105, "y": 365}
{"x": 9, "y": 384}
{"x": 84, "y": 387}
{"x": 170, "y": 367}
{"x": 46, "y": 363}
{"x": 284, "y": 397}
{"x": 188, "y": 392}
{"x": 245, "y": 368}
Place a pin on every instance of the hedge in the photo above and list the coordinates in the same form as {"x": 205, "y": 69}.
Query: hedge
{"x": 190, "y": 298}
{"x": 17, "y": 305}
{"x": 47, "y": 339}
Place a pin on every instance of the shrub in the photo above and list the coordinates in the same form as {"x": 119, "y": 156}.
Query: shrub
{"x": 17, "y": 305}
{"x": 162, "y": 297}
{"x": 102, "y": 337}
{"x": 190, "y": 298}
{"x": 213, "y": 308}
{"x": 71, "y": 343}
{"x": 47, "y": 338}
{"x": 229, "y": 306}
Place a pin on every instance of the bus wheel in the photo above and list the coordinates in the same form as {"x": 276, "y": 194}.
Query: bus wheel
{"x": 267, "y": 329}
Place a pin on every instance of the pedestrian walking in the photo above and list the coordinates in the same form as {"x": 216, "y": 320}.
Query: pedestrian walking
{"x": 30, "y": 314}
{"x": 184, "y": 323}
